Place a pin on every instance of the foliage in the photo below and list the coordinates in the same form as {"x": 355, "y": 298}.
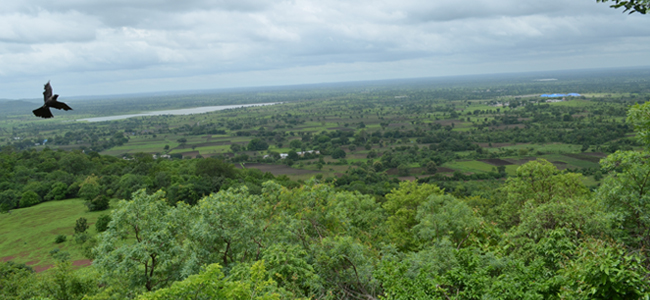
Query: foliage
{"x": 538, "y": 182}
{"x": 101, "y": 202}
{"x": 212, "y": 284}
{"x": 81, "y": 225}
{"x": 60, "y": 238}
{"x": 29, "y": 198}
{"x": 604, "y": 270}
{"x": 402, "y": 204}
{"x": 625, "y": 196}
{"x": 147, "y": 221}
{"x": 102, "y": 223}
{"x": 640, "y": 6}
{"x": 90, "y": 188}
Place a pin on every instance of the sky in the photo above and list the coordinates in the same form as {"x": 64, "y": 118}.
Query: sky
{"x": 104, "y": 47}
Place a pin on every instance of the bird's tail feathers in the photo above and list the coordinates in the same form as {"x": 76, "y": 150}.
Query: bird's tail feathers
{"x": 43, "y": 112}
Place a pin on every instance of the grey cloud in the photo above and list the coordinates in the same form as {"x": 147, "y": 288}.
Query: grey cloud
{"x": 46, "y": 27}
{"x": 170, "y": 41}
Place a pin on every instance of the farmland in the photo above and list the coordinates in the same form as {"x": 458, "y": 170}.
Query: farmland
{"x": 402, "y": 126}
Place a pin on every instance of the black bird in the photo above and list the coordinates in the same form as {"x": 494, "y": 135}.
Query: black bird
{"x": 50, "y": 101}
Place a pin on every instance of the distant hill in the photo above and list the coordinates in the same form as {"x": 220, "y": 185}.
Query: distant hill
{"x": 13, "y": 107}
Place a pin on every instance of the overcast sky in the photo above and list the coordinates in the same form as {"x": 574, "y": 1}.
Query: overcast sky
{"x": 126, "y": 46}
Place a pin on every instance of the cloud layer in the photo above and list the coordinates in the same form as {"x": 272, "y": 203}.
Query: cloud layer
{"x": 123, "y": 46}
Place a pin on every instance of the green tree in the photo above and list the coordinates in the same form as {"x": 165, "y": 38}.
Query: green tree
{"x": 338, "y": 153}
{"x": 538, "y": 182}
{"x": 102, "y": 223}
{"x": 626, "y": 195}
{"x": 126, "y": 249}
{"x": 8, "y": 200}
{"x": 640, "y": 6}
{"x": 212, "y": 167}
{"x": 402, "y": 205}
{"x": 101, "y": 202}
{"x": 81, "y": 225}
{"x": 257, "y": 144}
{"x": 445, "y": 217}
{"x": 58, "y": 191}
{"x": 90, "y": 188}
{"x": 29, "y": 198}
{"x": 431, "y": 167}
{"x": 403, "y": 170}
{"x": 212, "y": 284}
{"x": 603, "y": 270}
{"x": 295, "y": 144}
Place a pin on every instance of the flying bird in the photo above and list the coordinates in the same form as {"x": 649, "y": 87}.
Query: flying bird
{"x": 50, "y": 101}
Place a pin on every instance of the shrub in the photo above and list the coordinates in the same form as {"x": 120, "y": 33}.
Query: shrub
{"x": 29, "y": 198}
{"x": 81, "y": 226}
{"x": 60, "y": 239}
{"x": 102, "y": 223}
{"x": 80, "y": 238}
{"x": 338, "y": 153}
{"x": 100, "y": 202}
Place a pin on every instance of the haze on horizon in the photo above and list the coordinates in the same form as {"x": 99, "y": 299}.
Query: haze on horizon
{"x": 118, "y": 47}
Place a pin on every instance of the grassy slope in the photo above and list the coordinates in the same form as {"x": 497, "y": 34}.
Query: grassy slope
{"x": 27, "y": 234}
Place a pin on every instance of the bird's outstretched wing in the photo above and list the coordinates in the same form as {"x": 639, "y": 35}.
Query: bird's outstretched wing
{"x": 60, "y": 105}
{"x": 43, "y": 112}
{"x": 48, "y": 91}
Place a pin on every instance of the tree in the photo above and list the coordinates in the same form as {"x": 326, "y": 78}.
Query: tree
{"x": 431, "y": 167}
{"x": 257, "y": 144}
{"x": 445, "y": 217}
{"x": 338, "y": 153}
{"x": 626, "y": 195}
{"x": 402, "y": 205}
{"x": 81, "y": 225}
{"x": 8, "y": 200}
{"x": 29, "y": 198}
{"x": 640, "y": 6}
{"x": 295, "y": 144}
{"x": 102, "y": 223}
{"x": 538, "y": 182}
{"x": 212, "y": 167}
{"x": 141, "y": 244}
{"x": 403, "y": 170}
{"x": 293, "y": 155}
{"x": 101, "y": 202}
{"x": 90, "y": 188}
{"x": 58, "y": 191}
{"x": 211, "y": 283}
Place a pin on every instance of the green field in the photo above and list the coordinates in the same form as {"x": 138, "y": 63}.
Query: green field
{"x": 27, "y": 234}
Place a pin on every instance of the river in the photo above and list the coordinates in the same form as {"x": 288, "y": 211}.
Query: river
{"x": 184, "y": 111}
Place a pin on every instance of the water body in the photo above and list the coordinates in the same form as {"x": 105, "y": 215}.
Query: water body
{"x": 184, "y": 111}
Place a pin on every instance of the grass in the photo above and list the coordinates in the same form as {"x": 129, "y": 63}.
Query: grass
{"x": 27, "y": 234}
{"x": 470, "y": 166}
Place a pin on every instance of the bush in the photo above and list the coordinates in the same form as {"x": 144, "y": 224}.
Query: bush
{"x": 29, "y": 198}
{"x": 60, "y": 239}
{"x": 102, "y": 223}
{"x": 80, "y": 238}
{"x": 100, "y": 202}
{"x": 81, "y": 225}
{"x": 338, "y": 153}
{"x": 8, "y": 200}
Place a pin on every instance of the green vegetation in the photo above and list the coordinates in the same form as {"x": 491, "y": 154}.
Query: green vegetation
{"x": 436, "y": 195}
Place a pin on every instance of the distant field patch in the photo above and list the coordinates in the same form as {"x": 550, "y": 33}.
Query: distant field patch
{"x": 277, "y": 169}
{"x": 496, "y": 161}
{"x": 445, "y": 170}
{"x": 581, "y": 156}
